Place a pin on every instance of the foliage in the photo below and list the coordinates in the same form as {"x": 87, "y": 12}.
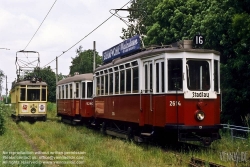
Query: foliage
{"x": 226, "y": 28}
{"x": 83, "y": 62}
{"x": 49, "y": 77}
{"x": 1, "y": 81}
{"x": 2, "y": 120}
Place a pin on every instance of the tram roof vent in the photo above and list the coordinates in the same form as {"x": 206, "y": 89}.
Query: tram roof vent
{"x": 186, "y": 44}
{"x": 76, "y": 73}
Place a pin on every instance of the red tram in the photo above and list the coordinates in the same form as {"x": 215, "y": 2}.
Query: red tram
{"x": 74, "y": 98}
{"x": 161, "y": 92}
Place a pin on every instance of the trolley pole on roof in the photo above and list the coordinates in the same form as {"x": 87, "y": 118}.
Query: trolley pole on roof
{"x": 94, "y": 56}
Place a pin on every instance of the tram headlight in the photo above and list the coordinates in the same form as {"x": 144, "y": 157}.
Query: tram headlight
{"x": 200, "y": 115}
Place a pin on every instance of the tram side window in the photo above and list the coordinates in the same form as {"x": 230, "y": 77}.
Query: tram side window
{"x": 117, "y": 82}
{"x": 106, "y": 83}
{"x": 67, "y": 91}
{"x": 216, "y": 76}
{"x": 135, "y": 80}
{"x": 122, "y": 81}
{"x": 157, "y": 78}
{"x": 33, "y": 94}
{"x": 97, "y": 86}
{"x": 89, "y": 89}
{"x": 151, "y": 76}
{"x": 44, "y": 93}
{"x": 22, "y": 94}
{"x": 59, "y": 92}
{"x": 175, "y": 74}
{"x": 63, "y": 91}
{"x": 77, "y": 90}
{"x": 102, "y": 85}
{"x": 160, "y": 77}
{"x": 83, "y": 90}
{"x": 111, "y": 83}
{"x": 70, "y": 91}
{"x": 128, "y": 80}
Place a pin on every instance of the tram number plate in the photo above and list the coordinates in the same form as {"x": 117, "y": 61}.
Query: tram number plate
{"x": 89, "y": 103}
{"x": 174, "y": 103}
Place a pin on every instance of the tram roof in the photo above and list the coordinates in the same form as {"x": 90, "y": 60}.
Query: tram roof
{"x": 153, "y": 51}
{"x": 30, "y": 83}
{"x": 80, "y": 77}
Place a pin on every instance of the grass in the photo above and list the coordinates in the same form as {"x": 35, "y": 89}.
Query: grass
{"x": 97, "y": 150}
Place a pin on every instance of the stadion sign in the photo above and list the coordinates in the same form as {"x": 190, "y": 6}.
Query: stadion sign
{"x": 128, "y": 46}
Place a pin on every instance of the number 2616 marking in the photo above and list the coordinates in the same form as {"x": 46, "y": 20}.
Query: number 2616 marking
{"x": 174, "y": 103}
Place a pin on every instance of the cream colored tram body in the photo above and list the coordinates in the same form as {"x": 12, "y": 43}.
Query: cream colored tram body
{"x": 29, "y": 100}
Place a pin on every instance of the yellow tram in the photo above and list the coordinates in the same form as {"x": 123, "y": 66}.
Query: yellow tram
{"x": 29, "y": 99}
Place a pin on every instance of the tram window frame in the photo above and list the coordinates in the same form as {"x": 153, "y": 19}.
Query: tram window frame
{"x": 106, "y": 84}
{"x": 111, "y": 82}
{"x": 59, "y": 92}
{"x": 117, "y": 84}
{"x": 98, "y": 85}
{"x": 128, "y": 76}
{"x": 70, "y": 91}
{"x": 44, "y": 93}
{"x": 34, "y": 94}
{"x": 83, "y": 85}
{"x": 178, "y": 77}
{"x": 160, "y": 76}
{"x": 63, "y": 92}
{"x": 67, "y": 91}
{"x": 135, "y": 81}
{"x": 122, "y": 81}
{"x": 194, "y": 75}
{"x": 102, "y": 84}
{"x": 77, "y": 92}
{"x": 216, "y": 75}
{"x": 146, "y": 76}
{"x": 22, "y": 94}
{"x": 89, "y": 89}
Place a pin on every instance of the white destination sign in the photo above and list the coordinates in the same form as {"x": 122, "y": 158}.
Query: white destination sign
{"x": 200, "y": 95}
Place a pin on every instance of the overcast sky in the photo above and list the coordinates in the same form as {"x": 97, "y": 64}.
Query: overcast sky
{"x": 66, "y": 24}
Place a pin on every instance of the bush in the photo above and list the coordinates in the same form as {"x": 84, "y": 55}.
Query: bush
{"x": 2, "y": 120}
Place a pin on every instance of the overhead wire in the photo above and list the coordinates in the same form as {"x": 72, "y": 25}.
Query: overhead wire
{"x": 40, "y": 25}
{"x": 87, "y": 34}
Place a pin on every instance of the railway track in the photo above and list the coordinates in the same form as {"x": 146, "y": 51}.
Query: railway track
{"x": 196, "y": 162}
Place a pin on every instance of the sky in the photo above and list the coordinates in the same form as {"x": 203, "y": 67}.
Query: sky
{"x": 66, "y": 24}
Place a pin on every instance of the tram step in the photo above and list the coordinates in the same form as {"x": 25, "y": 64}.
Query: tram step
{"x": 77, "y": 120}
{"x": 147, "y": 134}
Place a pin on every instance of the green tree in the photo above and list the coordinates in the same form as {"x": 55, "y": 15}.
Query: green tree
{"x": 49, "y": 77}
{"x": 225, "y": 25}
{"x": 1, "y": 81}
{"x": 83, "y": 62}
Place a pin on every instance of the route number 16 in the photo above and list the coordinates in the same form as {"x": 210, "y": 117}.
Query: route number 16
{"x": 198, "y": 40}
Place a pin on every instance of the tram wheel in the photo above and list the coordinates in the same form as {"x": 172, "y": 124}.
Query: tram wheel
{"x": 129, "y": 134}
{"x": 44, "y": 118}
{"x": 103, "y": 128}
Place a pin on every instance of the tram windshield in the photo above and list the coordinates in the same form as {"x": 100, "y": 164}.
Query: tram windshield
{"x": 198, "y": 76}
{"x": 33, "y": 94}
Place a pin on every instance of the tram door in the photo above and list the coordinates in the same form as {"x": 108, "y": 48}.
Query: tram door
{"x": 147, "y": 93}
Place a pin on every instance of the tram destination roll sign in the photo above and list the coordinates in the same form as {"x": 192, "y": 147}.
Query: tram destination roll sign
{"x": 126, "y": 47}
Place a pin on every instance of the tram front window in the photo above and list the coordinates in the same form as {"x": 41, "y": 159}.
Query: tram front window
{"x": 198, "y": 76}
{"x": 33, "y": 94}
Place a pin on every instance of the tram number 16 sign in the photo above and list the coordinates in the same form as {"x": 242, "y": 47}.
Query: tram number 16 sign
{"x": 198, "y": 40}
